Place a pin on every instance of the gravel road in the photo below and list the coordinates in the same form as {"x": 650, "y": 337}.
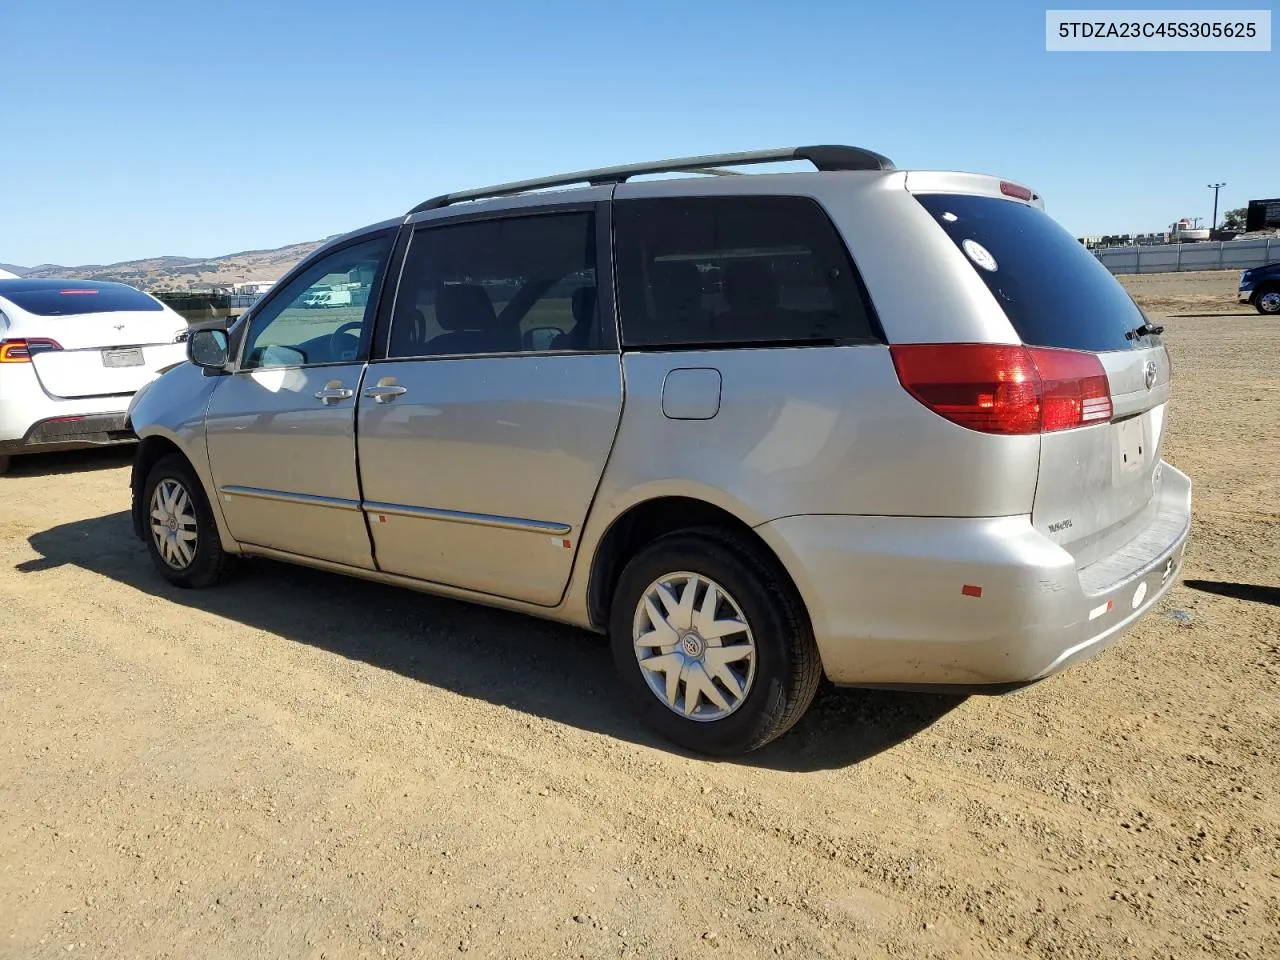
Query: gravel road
{"x": 298, "y": 765}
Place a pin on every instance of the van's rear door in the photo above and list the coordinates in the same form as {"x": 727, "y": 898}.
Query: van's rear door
{"x": 1097, "y": 484}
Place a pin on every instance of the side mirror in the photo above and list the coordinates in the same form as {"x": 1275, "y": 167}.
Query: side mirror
{"x": 208, "y": 349}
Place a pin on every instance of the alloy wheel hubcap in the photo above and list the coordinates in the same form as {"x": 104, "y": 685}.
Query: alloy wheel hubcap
{"x": 695, "y": 648}
{"x": 173, "y": 524}
{"x": 1271, "y": 302}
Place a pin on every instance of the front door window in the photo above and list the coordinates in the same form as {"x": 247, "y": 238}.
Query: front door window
{"x": 322, "y": 316}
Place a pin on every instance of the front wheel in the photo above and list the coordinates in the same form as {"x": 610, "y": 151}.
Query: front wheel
{"x": 1268, "y": 302}
{"x": 712, "y": 645}
{"x": 182, "y": 537}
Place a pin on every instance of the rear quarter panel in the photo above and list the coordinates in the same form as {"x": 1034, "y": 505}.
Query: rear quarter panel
{"x": 21, "y": 400}
{"x": 824, "y": 430}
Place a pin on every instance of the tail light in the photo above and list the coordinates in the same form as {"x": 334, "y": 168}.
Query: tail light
{"x": 21, "y": 351}
{"x": 997, "y": 388}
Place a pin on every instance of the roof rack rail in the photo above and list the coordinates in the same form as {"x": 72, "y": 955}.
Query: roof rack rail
{"x": 823, "y": 157}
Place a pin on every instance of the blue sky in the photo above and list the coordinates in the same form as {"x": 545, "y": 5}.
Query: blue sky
{"x": 146, "y": 128}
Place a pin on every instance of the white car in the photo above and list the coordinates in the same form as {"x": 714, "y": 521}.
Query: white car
{"x": 72, "y": 355}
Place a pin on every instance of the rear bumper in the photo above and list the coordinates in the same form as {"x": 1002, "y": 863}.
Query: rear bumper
{"x": 71, "y": 433}
{"x": 970, "y": 603}
{"x": 31, "y": 421}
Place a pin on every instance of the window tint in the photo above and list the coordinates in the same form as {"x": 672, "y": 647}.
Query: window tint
{"x": 734, "y": 270}
{"x": 321, "y": 316}
{"x": 1054, "y": 292}
{"x": 510, "y": 285}
{"x": 63, "y": 298}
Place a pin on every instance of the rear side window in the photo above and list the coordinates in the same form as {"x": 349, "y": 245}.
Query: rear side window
{"x": 743, "y": 271}
{"x": 1054, "y": 292}
{"x": 53, "y": 300}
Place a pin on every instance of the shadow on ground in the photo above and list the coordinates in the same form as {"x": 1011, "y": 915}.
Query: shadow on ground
{"x": 519, "y": 662}
{"x": 1254, "y": 593}
{"x": 72, "y": 461}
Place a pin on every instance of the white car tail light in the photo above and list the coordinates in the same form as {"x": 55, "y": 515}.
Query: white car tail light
{"x": 21, "y": 351}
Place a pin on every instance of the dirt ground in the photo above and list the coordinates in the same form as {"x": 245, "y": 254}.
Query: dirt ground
{"x": 298, "y": 765}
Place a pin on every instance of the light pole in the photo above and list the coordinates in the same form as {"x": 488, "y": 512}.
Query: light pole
{"x": 1215, "y": 187}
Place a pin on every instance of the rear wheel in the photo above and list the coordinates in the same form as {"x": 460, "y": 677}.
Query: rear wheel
{"x": 711, "y": 643}
{"x": 1268, "y": 301}
{"x": 182, "y": 537}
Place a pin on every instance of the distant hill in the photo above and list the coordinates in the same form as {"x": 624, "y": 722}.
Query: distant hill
{"x": 182, "y": 273}
{"x": 13, "y": 268}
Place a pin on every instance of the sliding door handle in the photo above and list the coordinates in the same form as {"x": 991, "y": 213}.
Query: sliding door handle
{"x": 385, "y": 391}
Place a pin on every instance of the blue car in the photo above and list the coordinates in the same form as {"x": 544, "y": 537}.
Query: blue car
{"x": 1261, "y": 287}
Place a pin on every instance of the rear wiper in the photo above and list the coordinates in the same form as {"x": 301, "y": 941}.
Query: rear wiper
{"x": 1146, "y": 330}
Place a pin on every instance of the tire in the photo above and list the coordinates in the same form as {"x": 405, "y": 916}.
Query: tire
{"x": 1267, "y": 301}
{"x": 207, "y": 563}
{"x": 775, "y": 682}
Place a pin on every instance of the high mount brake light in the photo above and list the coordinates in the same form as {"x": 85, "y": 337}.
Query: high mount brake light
{"x": 1016, "y": 190}
{"x": 1005, "y": 389}
{"x": 21, "y": 351}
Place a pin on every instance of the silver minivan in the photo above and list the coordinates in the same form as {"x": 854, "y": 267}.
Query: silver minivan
{"x": 894, "y": 428}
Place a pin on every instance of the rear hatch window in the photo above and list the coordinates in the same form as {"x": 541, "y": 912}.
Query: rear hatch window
{"x": 1054, "y": 292}
{"x": 45, "y": 299}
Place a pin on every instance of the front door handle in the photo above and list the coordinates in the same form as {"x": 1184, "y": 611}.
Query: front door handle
{"x": 385, "y": 390}
{"x": 333, "y": 392}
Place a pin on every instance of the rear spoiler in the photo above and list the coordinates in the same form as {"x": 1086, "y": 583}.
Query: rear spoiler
{"x": 940, "y": 181}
